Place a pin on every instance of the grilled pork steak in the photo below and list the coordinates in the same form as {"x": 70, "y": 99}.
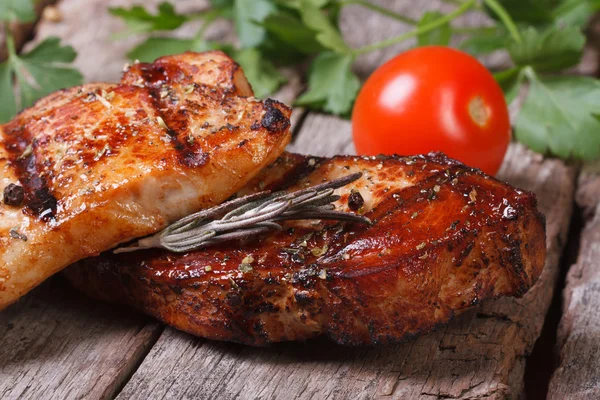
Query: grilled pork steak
{"x": 90, "y": 167}
{"x": 444, "y": 238}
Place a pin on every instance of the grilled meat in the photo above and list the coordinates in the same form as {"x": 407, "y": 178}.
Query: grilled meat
{"x": 90, "y": 167}
{"x": 445, "y": 237}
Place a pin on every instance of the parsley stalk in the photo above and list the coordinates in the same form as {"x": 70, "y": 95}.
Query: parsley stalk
{"x": 381, "y": 10}
{"x": 506, "y": 19}
{"x": 464, "y": 7}
{"x": 10, "y": 42}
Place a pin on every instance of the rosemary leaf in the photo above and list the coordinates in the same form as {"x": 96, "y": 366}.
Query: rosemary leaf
{"x": 250, "y": 216}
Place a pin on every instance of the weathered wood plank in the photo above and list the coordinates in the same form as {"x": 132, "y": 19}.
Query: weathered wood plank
{"x": 588, "y": 188}
{"x": 577, "y": 375}
{"x": 479, "y": 355}
{"x": 184, "y": 367}
{"x": 56, "y": 344}
{"x": 324, "y": 135}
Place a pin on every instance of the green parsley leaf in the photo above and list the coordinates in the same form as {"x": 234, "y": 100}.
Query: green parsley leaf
{"x": 248, "y": 13}
{"x": 155, "y": 47}
{"x": 560, "y": 116}
{"x": 507, "y": 77}
{"x": 332, "y": 85}
{"x": 297, "y": 4}
{"x": 484, "y": 43}
{"x": 527, "y": 11}
{"x": 222, "y": 3}
{"x": 38, "y": 73}
{"x": 510, "y": 80}
{"x": 7, "y": 94}
{"x": 576, "y": 13}
{"x": 327, "y": 34}
{"x": 440, "y": 36}
{"x": 290, "y": 30}
{"x": 281, "y": 52}
{"x": 261, "y": 73}
{"x": 139, "y": 20}
{"x": 549, "y": 51}
{"x": 17, "y": 10}
{"x": 223, "y": 8}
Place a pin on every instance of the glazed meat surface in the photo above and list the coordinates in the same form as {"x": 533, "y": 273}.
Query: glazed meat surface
{"x": 102, "y": 164}
{"x": 444, "y": 238}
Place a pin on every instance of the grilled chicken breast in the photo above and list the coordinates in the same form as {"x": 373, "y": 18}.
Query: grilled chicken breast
{"x": 444, "y": 238}
{"x": 90, "y": 167}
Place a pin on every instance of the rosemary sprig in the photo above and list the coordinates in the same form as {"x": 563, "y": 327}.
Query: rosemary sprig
{"x": 248, "y": 216}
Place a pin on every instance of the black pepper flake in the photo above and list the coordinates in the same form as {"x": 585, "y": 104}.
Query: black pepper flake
{"x": 298, "y": 258}
{"x": 355, "y": 200}
{"x": 14, "y": 195}
{"x": 453, "y": 225}
{"x": 15, "y": 234}
{"x": 289, "y": 250}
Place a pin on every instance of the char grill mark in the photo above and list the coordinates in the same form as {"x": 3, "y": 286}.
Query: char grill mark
{"x": 274, "y": 120}
{"x": 158, "y": 78}
{"x": 37, "y": 197}
{"x": 101, "y": 161}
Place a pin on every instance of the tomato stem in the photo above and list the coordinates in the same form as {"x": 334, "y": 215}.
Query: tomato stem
{"x": 381, "y": 10}
{"x": 506, "y": 19}
{"x": 466, "y": 6}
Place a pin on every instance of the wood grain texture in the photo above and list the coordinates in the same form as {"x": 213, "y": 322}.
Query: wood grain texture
{"x": 324, "y": 135}
{"x": 480, "y": 355}
{"x": 577, "y": 375}
{"x": 57, "y": 344}
{"x": 95, "y": 348}
{"x": 54, "y": 343}
{"x": 588, "y": 188}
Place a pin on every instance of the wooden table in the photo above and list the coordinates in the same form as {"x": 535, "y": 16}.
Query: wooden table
{"x": 57, "y": 344}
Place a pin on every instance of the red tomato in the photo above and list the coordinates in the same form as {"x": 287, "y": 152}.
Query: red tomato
{"x": 433, "y": 99}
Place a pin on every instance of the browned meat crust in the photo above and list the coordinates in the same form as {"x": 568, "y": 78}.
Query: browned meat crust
{"x": 102, "y": 164}
{"x": 445, "y": 237}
